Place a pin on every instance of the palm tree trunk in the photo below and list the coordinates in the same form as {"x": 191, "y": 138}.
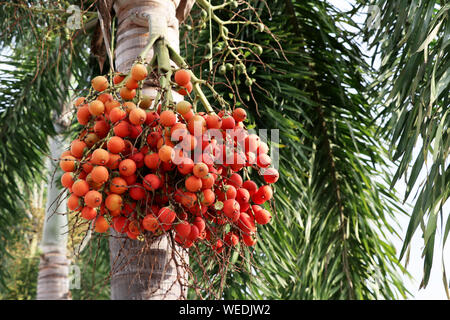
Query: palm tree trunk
{"x": 53, "y": 281}
{"x": 139, "y": 270}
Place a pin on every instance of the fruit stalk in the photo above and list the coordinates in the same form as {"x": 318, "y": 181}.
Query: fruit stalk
{"x": 179, "y": 61}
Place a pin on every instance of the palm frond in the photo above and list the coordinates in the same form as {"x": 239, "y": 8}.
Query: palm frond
{"x": 36, "y": 80}
{"x": 414, "y": 81}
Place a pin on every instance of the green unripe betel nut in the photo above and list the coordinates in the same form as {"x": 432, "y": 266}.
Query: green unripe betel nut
{"x": 258, "y": 50}
{"x": 222, "y": 69}
{"x": 261, "y": 27}
{"x": 240, "y": 68}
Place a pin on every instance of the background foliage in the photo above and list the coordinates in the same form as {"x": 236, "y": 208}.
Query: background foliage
{"x": 412, "y": 39}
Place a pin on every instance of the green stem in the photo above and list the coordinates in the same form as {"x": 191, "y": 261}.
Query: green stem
{"x": 210, "y": 38}
{"x": 201, "y": 96}
{"x": 179, "y": 61}
{"x": 205, "y": 5}
{"x": 162, "y": 56}
{"x": 147, "y": 48}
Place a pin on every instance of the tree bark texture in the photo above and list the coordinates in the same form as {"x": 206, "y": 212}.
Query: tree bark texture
{"x": 53, "y": 276}
{"x": 141, "y": 270}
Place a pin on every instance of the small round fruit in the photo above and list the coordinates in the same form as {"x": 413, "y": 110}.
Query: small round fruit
{"x": 133, "y": 227}
{"x": 118, "y": 78}
{"x": 101, "y": 128}
{"x": 122, "y": 129}
{"x": 250, "y": 186}
{"x": 231, "y": 209}
{"x": 188, "y": 199}
{"x": 113, "y": 202}
{"x": 100, "y": 174}
{"x": 263, "y": 160}
{"x": 146, "y": 102}
{"x": 166, "y": 216}
{"x": 88, "y": 213}
{"x": 239, "y": 114}
{"x": 83, "y": 115}
{"x": 167, "y": 118}
{"x": 67, "y": 180}
{"x": 127, "y": 167}
{"x": 114, "y": 160}
{"x": 186, "y": 166}
{"x": 73, "y": 202}
{"x": 137, "y": 192}
{"x": 151, "y": 182}
{"x": 185, "y": 90}
{"x": 235, "y": 180}
{"x": 80, "y": 187}
{"x": 246, "y": 223}
{"x": 207, "y": 197}
{"x": 79, "y": 101}
{"x": 182, "y": 77}
{"x": 193, "y": 184}
{"x": 262, "y": 216}
{"x": 101, "y": 225}
{"x": 194, "y": 233}
{"x": 197, "y": 125}
{"x": 132, "y": 84}
{"x": 150, "y": 223}
{"x": 208, "y": 181}
{"x": 231, "y": 239}
{"x": 183, "y": 229}
{"x": 100, "y": 83}
{"x": 213, "y": 121}
{"x": 248, "y": 240}
{"x": 252, "y": 143}
{"x": 137, "y": 116}
{"x": 166, "y": 153}
{"x": 188, "y": 115}
{"x": 67, "y": 163}
{"x": 116, "y": 145}
{"x": 242, "y": 195}
{"x": 77, "y": 148}
{"x": 152, "y": 161}
{"x": 91, "y": 139}
{"x": 100, "y": 157}
{"x": 271, "y": 175}
{"x": 139, "y": 72}
{"x": 120, "y": 224}
{"x": 183, "y": 107}
{"x": 127, "y": 94}
{"x": 265, "y": 192}
{"x": 110, "y": 105}
{"x": 93, "y": 199}
{"x": 228, "y": 123}
{"x": 200, "y": 170}
{"x": 96, "y": 108}
{"x": 118, "y": 185}
{"x": 116, "y": 114}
